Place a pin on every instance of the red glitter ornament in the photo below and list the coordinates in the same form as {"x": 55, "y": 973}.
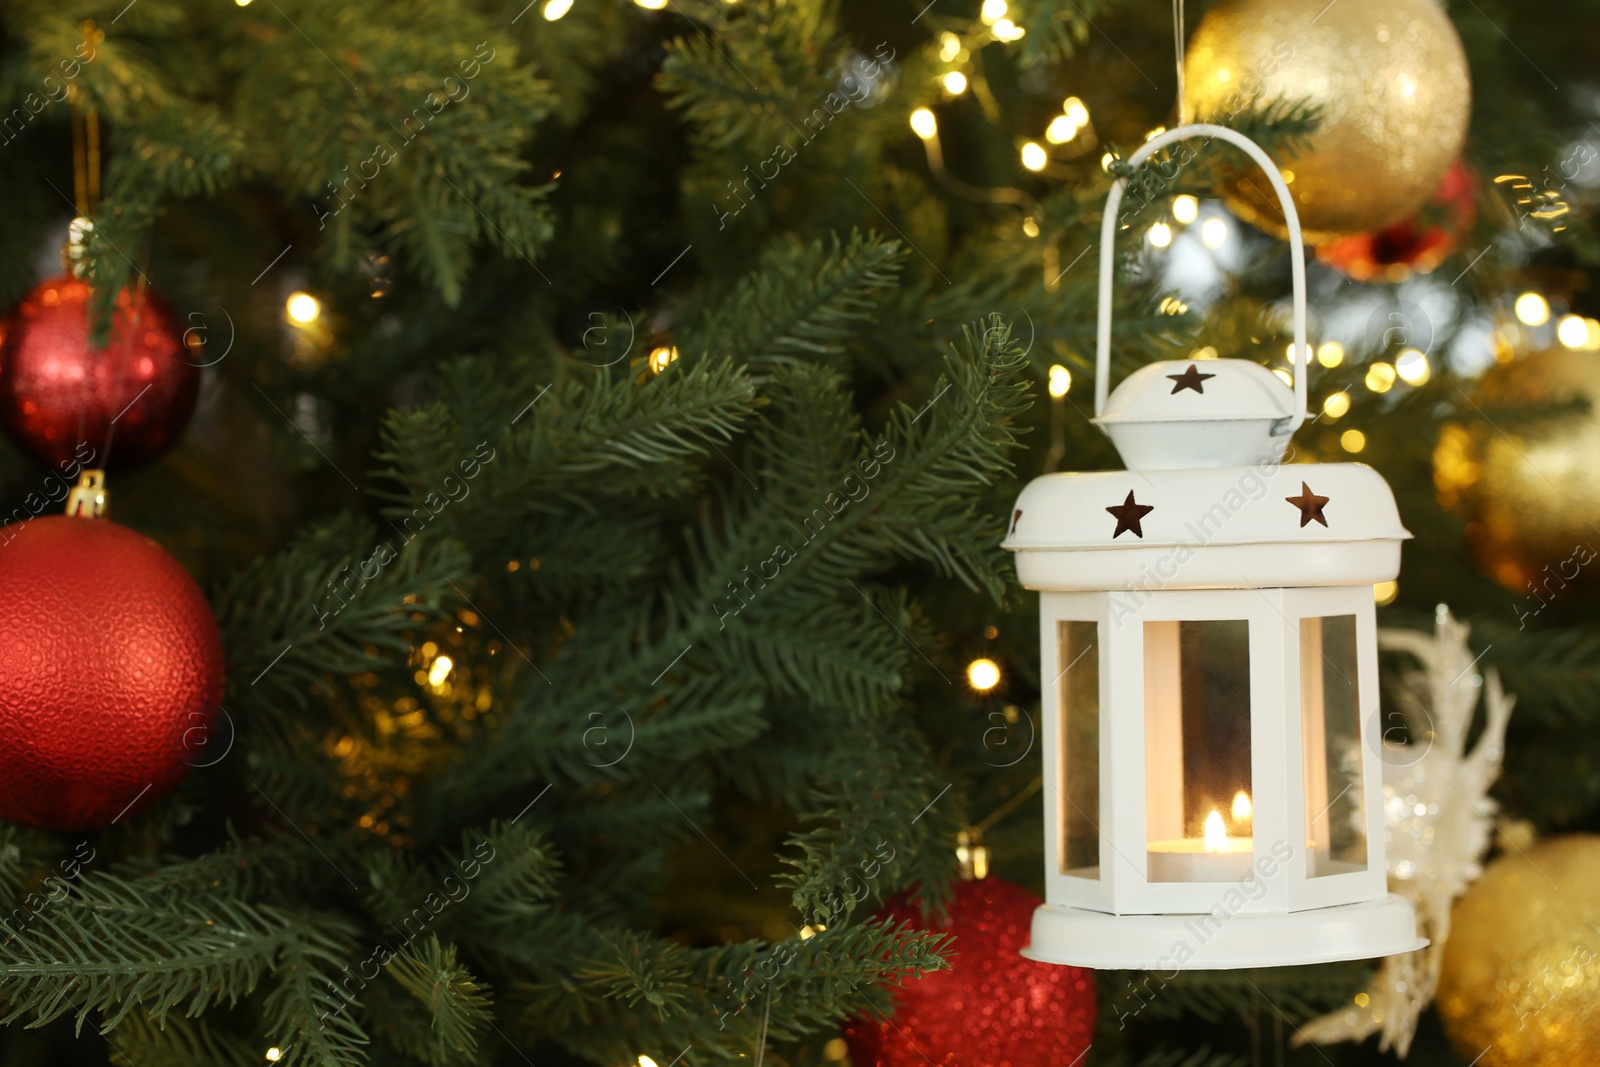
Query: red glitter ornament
{"x": 991, "y": 1007}
{"x": 128, "y": 401}
{"x": 1417, "y": 244}
{"x": 112, "y": 672}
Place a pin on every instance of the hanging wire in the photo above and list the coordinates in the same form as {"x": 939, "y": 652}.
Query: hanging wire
{"x": 1177, "y": 44}
{"x": 1178, "y": 48}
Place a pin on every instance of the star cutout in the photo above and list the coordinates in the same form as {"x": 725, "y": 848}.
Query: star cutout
{"x": 1016, "y": 519}
{"x": 1128, "y": 515}
{"x": 1190, "y": 379}
{"x": 1310, "y": 505}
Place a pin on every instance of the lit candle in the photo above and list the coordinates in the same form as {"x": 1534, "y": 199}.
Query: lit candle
{"x": 1216, "y": 857}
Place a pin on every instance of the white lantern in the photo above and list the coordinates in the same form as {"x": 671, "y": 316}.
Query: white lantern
{"x": 1209, "y": 653}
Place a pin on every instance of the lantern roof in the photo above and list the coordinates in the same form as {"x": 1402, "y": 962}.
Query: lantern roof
{"x": 1265, "y": 525}
{"x": 1199, "y": 413}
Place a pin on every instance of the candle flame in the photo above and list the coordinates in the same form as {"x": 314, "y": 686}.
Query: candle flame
{"x": 1241, "y": 806}
{"x": 1216, "y": 832}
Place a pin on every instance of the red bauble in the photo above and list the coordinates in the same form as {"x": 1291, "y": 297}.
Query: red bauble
{"x": 110, "y": 672}
{"x": 992, "y": 1007}
{"x": 128, "y": 401}
{"x": 1418, "y": 244}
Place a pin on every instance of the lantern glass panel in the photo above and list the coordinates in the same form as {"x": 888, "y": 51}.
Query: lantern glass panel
{"x": 1078, "y": 649}
{"x": 1197, "y": 759}
{"x": 1336, "y": 822}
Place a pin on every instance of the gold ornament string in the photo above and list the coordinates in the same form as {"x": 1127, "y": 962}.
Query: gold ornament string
{"x": 1177, "y": 44}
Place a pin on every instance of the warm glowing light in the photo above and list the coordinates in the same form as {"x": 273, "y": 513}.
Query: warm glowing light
{"x": 992, "y": 11}
{"x": 955, "y": 83}
{"x": 1214, "y": 232}
{"x": 246, "y": 3}
{"x": 556, "y": 8}
{"x": 1207, "y": 352}
{"x": 1161, "y": 235}
{"x": 1106, "y": 161}
{"x": 1283, "y": 375}
{"x": 661, "y": 356}
{"x": 1030, "y": 226}
{"x": 1157, "y": 132}
{"x": 1034, "y": 157}
{"x": 1533, "y": 309}
{"x": 1060, "y": 380}
{"x": 835, "y": 1050}
{"x": 651, "y": 5}
{"x": 1352, "y": 440}
{"x": 646, "y": 1061}
{"x": 1216, "y": 832}
{"x": 1242, "y": 810}
{"x": 949, "y": 47}
{"x": 1336, "y": 405}
{"x": 440, "y": 671}
{"x": 983, "y": 674}
{"x": 1006, "y": 30}
{"x": 1288, "y": 354}
{"x": 1061, "y": 130}
{"x": 1380, "y": 377}
{"x": 1330, "y": 353}
{"x": 1412, "y": 366}
{"x": 303, "y": 308}
{"x": 274, "y": 1054}
{"x": 1573, "y": 331}
{"x": 1185, "y": 208}
{"x": 1362, "y": 1000}
{"x": 1385, "y": 592}
{"x": 923, "y": 124}
{"x": 807, "y": 932}
{"x": 1075, "y": 111}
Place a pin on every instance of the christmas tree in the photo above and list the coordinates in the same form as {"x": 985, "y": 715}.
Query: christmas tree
{"x": 606, "y": 419}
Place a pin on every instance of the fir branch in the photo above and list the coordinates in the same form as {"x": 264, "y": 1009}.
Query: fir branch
{"x": 178, "y": 1042}
{"x": 457, "y": 1003}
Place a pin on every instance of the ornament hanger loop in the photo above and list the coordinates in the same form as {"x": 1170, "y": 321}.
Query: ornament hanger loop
{"x": 1297, "y": 262}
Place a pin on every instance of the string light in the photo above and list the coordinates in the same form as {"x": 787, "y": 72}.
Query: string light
{"x": 1336, "y": 406}
{"x": 555, "y": 9}
{"x": 1060, "y": 380}
{"x": 1161, "y": 235}
{"x": 1385, "y": 592}
{"x": 1572, "y": 331}
{"x": 1412, "y": 366}
{"x": 1533, "y": 309}
{"x": 949, "y": 47}
{"x": 1006, "y": 30}
{"x": 661, "y": 356}
{"x": 646, "y": 1061}
{"x": 1288, "y": 354}
{"x": 1380, "y": 377}
{"x": 1157, "y": 132}
{"x": 1106, "y": 161}
{"x": 955, "y": 83}
{"x": 1330, "y": 353}
{"x": 274, "y": 1054}
{"x": 992, "y": 11}
{"x": 1283, "y": 375}
{"x": 923, "y": 124}
{"x": 1352, "y": 440}
{"x": 835, "y": 1050}
{"x": 1185, "y": 208}
{"x": 1214, "y": 233}
{"x": 1075, "y": 112}
{"x": 1034, "y": 156}
{"x": 440, "y": 671}
{"x": 246, "y": 3}
{"x": 1061, "y": 130}
{"x": 983, "y": 674}
{"x": 1030, "y": 226}
{"x": 651, "y": 5}
{"x": 303, "y": 309}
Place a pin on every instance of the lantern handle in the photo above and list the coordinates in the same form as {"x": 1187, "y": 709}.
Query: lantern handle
{"x": 1297, "y": 263}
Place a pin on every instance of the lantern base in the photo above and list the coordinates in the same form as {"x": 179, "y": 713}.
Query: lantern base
{"x": 1081, "y": 938}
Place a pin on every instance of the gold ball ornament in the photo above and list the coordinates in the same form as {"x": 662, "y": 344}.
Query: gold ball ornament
{"x": 1529, "y": 488}
{"x": 1390, "y": 77}
{"x": 1520, "y": 980}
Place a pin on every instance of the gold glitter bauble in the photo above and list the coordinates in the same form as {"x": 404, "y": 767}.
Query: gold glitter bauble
{"x": 1529, "y": 487}
{"x": 1520, "y": 984}
{"x": 1390, "y": 77}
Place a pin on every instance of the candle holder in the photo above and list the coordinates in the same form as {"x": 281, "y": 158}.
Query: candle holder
{"x": 1209, "y": 645}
